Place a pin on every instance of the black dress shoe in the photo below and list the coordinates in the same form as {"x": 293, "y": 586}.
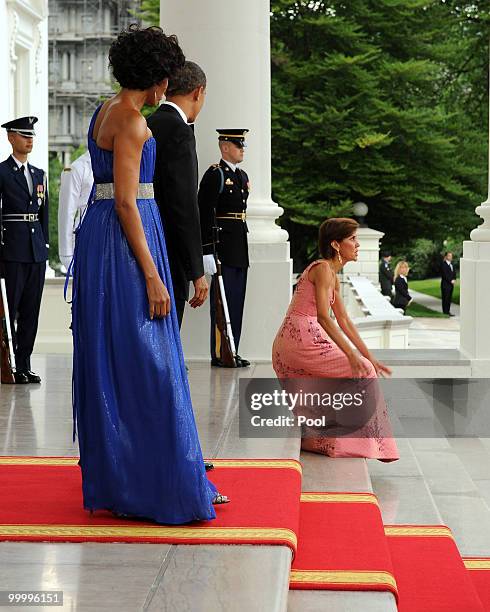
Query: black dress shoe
{"x": 21, "y": 378}
{"x": 217, "y": 363}
{"x": 451, "y": 314}
{"x": 208, "y": 466}
{"x": 241, "y": 362}
{"x": 32, "y": 378}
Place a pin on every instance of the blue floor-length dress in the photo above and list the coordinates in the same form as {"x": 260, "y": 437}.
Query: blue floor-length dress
{"x": 139, "y": 448}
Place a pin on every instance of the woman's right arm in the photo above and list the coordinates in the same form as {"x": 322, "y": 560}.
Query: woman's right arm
{"x": 127, "y": 147}
{"x": 324, "y": 279}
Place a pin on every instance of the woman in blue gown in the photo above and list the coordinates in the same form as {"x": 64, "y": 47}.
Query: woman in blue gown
{"x": 139, "y": 448}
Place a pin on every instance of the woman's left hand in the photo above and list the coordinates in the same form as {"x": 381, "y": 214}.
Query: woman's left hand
{"x": 381, "y": 369}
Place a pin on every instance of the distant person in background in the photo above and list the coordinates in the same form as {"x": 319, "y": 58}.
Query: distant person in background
{"x": 448, "y": 278}
{"x": 402, "y": 298}
{"x": 75, "y": 188}
{"x": 386, "y": 274}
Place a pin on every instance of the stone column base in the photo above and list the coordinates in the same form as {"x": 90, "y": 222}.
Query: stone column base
{"x": 267, "y": 299}
{"x": 475, "y": 305}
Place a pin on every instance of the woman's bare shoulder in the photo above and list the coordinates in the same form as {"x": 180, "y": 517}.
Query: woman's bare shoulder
{"x": 320, "y": 271}
{"x": 117, "y": 119}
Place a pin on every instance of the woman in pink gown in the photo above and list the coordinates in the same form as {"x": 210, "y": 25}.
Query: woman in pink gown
{"x": 310, "y": 344}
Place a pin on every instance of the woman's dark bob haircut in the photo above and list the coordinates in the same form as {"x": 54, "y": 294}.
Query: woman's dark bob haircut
{"x": 334, "y": 229}
{"x": 143, "y": 57}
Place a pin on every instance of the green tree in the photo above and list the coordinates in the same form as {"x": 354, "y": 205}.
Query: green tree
{"x": 55, "y": 169}
{"x": 149, "y": 12}
{"x": 362, "y": 110}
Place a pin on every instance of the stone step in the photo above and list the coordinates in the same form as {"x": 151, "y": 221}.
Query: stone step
{"x": 326, "y": 474}
{"x": 202, "y": 578}
{"x": 416, "y": 363}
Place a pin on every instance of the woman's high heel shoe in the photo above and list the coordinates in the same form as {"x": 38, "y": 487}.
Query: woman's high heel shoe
{"x": 220, "y": 499}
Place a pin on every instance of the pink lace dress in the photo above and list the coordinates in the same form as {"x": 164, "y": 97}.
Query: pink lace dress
{"x": 302, "y": 349}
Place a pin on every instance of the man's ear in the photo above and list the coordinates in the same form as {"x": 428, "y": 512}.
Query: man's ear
{"x": 197, "y": 93}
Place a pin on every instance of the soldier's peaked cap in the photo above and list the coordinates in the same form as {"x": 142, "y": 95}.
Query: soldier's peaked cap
{"x": 235, "y": 135}
{"x": 22, "y": 125}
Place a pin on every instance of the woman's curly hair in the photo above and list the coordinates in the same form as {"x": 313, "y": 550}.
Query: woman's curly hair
{"x": 143, "y": 57}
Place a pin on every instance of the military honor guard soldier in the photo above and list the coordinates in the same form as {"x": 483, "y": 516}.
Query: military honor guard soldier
{"x": 223, "y": 195}
{"x": 23, "y": 242}
{"x": 76, "y": 185}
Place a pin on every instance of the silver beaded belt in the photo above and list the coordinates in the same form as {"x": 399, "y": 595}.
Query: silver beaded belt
{"x": 20, "y": 217}
{"x": 105, "y": 191}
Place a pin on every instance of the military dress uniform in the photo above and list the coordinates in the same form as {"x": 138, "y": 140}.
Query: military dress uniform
{"x": 75, "y": 187}
{"x": 23, "y": 247}
{"x": 223, "y": 195}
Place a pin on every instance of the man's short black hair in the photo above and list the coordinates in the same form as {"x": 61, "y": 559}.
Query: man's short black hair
{"x": 185, "y": 80}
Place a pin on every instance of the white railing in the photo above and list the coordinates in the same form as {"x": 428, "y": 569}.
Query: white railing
{"x": 379, "y": 323}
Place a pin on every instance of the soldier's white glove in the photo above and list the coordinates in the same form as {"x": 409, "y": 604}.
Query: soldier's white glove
{"x": 65, "y": 260}
{"x": 209, "y": 264}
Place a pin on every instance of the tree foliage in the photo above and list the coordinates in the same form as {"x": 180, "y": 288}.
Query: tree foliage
{"x": 381, "y": 101}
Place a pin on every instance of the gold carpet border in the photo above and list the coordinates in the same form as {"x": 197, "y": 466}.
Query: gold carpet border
{"x": 343, "y": 577}
{"x": 158, "y": 532}
{"x": 239, "y": 463}
{"x": 477, "y": 563}
{"x": 355, "y": 498}
{"x": 419, "y": 531}
{"x": 258, "y": 463}
{"x": 38, "y": 460}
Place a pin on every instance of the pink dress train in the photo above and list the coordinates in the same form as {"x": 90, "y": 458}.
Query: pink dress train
{"x": 302, "y": 349}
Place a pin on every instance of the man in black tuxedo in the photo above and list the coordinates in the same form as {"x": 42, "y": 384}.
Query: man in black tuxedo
{"x": 176, "y": 183}
{"x": 386, "y": 274}
{"x": 448, "y": 278}
{"x": 23, "y": 242}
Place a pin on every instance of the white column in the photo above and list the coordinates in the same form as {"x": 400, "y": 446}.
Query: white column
{"x": 475, "y": 290}
{"x": 230, "y": 40}
{"x": 73, "y": 76}
{"x": 64, "y": 65}
{"x": 107, "y": 20}
{"x": 6, "y": 77}
{"x": 72, "y": 119}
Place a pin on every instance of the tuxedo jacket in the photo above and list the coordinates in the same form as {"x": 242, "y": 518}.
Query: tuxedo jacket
{"x": 176, "y": 183}
{"x": 23, "y": 241}
{"x": 402, "y": 297}
{"x": 232, "y": 246}
{"x": 385, "y": 277}
{"x": 447, "y": 275}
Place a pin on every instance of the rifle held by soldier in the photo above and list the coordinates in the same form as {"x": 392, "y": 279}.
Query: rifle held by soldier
{"x": 7, "y": 363}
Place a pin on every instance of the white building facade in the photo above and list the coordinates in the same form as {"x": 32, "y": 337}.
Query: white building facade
{"x": 24, "y": 71}
{"x": 80, "y": 34}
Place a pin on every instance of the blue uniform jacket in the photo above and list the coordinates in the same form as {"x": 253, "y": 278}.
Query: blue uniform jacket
{"x": 23, "y": 241}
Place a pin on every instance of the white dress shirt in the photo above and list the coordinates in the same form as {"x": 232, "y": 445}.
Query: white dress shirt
{"x": 178, "y": 109}
{"x": 27, "y": 174}
{"x": 76, "y": 185}
{"x": 232, "y": 166}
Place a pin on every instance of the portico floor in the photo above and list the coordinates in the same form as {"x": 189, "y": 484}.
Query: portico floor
{"x": 438, "y": 479}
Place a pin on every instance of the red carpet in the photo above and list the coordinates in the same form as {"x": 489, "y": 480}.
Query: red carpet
{"x": 342, "y": 544}
{"x": 429, "y": 570}
{"x": 42, "y": 501}
{"x": 479, "y": 570}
